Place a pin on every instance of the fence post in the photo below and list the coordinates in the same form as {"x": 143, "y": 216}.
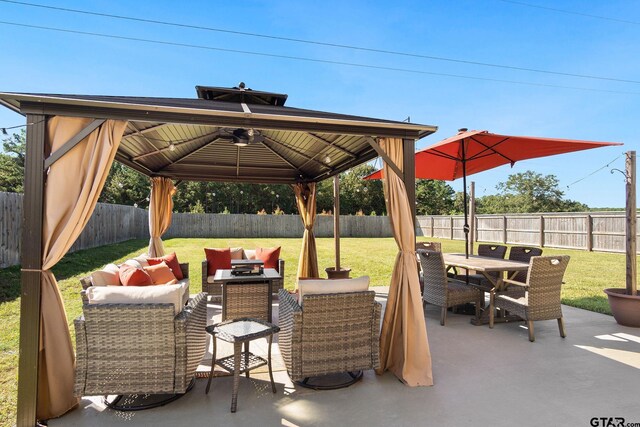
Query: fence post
{"x": 504, "y": 229}
{"x": 433, "y": 220}
{"x": 451, "y": 225}
{"x": 542, "y": 231}
{"x": 589, "y": 233}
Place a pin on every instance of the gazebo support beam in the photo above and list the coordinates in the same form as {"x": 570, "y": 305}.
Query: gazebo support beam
{"x": 336, "y": 218}
{"x": 68, "y": 146}
{"x": 147, "y": 130}
{"x": 31, "y": 275}
{"x": 299, "y": 153}
{"x": 409, "y": 168}
{"x": 331, "y": 144}
{"x": 386, "y": 158}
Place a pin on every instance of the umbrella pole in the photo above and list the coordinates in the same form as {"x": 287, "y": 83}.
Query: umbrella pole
{"x": 464, "y": 198}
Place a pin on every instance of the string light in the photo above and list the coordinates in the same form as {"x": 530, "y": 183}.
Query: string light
{"x": 595, "y": 171}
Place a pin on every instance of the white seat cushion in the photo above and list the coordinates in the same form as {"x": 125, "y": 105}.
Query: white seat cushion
{"x": 331, "y": 286}
{"x": 172, "y": 294}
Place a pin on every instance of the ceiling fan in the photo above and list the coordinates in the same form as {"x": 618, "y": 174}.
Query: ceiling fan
{"x": 241, "y": 137}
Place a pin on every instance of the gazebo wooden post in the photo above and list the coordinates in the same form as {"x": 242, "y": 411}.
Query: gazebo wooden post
{"x": 336, "y": 218}
{"x": 409, "y": 172}
{"x": 631, "y": 230}
{"x": 31, "y": 275}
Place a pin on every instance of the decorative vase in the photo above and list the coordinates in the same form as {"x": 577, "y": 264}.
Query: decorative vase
{"x": 332, "y": 273}
{"x": 625, "y": 308}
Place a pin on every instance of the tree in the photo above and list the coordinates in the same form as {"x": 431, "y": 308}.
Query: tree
{"x": 433, "y": 197}
{"x": 125, "y": 186}
{"x": 12, "y": 163}
{"x": 528, "y": 192}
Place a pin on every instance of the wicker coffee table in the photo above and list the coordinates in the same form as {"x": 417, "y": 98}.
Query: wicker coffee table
{"x": 238, "y": 332}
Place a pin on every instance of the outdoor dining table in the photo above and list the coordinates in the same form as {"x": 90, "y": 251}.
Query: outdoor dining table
{"x": 486, "y": 266}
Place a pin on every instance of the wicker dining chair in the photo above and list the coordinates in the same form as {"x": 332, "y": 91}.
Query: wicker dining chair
{"x": 522, "y": 254}
{"x": 479, "y": 280}
{"x": 542, "y": 298}
{"x": 427, "y": 246}
{"x": 441, "y": 290}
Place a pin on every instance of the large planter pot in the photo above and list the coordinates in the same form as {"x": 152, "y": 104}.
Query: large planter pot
{"x": 343, "y": 273}
{"x": 625, "y": 308}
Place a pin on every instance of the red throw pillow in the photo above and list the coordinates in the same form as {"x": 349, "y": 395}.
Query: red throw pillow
{"x": 269, "y": 256}
{"x": 131, "y": 276}
{"x": 172, "y": 262}
{"x": 217, "y": 258}
{"x": 160, "y": 274}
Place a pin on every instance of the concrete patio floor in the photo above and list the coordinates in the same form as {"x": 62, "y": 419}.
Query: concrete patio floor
{"x": 483, "y": 376}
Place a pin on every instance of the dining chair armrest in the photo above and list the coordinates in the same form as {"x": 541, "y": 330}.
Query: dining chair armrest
{"x": 515, "y": 282}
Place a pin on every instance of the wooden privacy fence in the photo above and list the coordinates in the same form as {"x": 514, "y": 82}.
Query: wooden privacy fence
{"x": 116, "y": 223}
{"x": 251, "y": 225}
{"x": 108, "y": 224}
{"x": 594, "y": 231}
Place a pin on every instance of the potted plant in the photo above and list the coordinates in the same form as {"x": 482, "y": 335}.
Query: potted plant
{"x": 625, "y": 302}
{"x": 337, "y": 273}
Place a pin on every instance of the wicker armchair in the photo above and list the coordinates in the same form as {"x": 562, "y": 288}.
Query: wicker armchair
{"x": 126, "y": 349}
{"x": 214, "y": 289}
{"x": 329, "y": 334}
{"x": 542, "y": 298}
{"x": 441, "y": 290}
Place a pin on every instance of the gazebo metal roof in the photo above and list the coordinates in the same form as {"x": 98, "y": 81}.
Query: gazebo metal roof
{"x": 193, "y": 138}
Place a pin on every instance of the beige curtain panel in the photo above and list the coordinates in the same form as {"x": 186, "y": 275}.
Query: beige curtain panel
{"x": 404, "y": 349}
{"x": 306, "y": 202}
{"x": 73, "y": 185}
{"x": 160, "y": 211}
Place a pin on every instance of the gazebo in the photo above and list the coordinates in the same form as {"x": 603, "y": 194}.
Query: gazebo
{"x": 236, "y": 135}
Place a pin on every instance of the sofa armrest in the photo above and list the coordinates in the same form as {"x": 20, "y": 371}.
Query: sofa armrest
{"x": 205, "y": 271}
{"x": 290, "y": 336}
{"x": 184, "y": 267}
{"x": 191, "y": 340}
{"x": 281, "y": 267}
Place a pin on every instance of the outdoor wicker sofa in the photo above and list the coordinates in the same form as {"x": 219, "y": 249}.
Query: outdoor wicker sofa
{"x": 214, "y": 288}
{"x": 329, "y": 334}
{"x": 139, "y": 348}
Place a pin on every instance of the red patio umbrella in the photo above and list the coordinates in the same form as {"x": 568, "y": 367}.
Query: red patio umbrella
{"x": 475, "y": 151}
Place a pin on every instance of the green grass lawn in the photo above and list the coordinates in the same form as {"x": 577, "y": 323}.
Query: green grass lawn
{"x": 587, "y": 275}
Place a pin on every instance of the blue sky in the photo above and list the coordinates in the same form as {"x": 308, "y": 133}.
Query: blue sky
{"x": 489, "y": 31}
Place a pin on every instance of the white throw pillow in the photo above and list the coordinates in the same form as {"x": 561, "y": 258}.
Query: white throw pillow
{"x": 143, "y": 260}
{"x": 108, "y": 276}
{"x": 237, "y": 253}
{"x": 171, "y": 294}
{"x": 250, "y": 253}
{"x": 331, "y": 286}
{"x": 134, "y": 263}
